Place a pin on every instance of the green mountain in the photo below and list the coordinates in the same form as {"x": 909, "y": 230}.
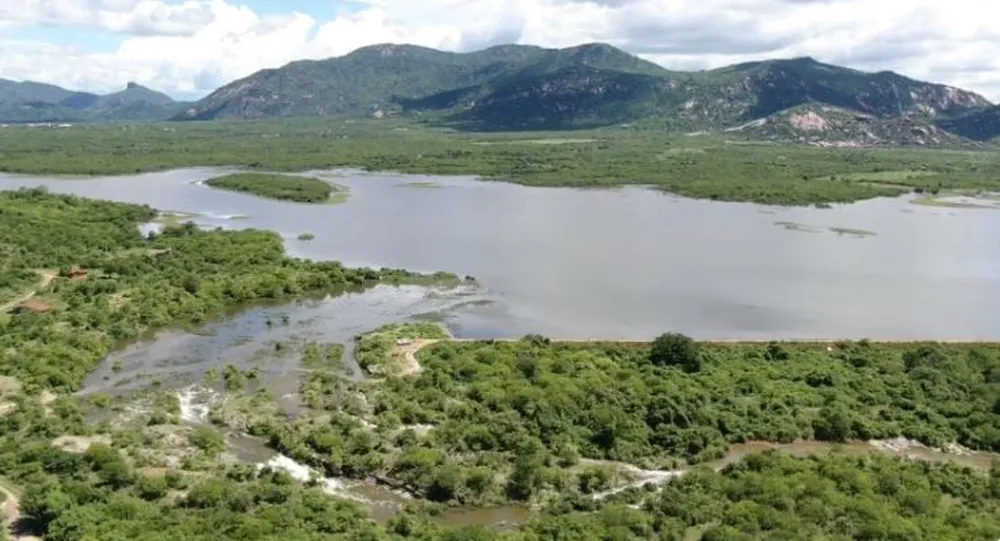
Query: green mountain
{"x": 39, "y": 102}
{"x": 12, "y": 91}
{"x": 980, "y": 125}
{"x": 392, "y": 79}
{"x": 515, "y": 87}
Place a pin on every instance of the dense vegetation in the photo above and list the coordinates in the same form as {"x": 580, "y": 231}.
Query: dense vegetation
{"x": 616, "y": 401}
{"x": 487, "y": 422}
{"x": 102, "y": 494}
{"x": 697, "y": 166}
{"x": 282, "y": 187}
{"x": 132, "y": 284}
{"x": 770, "y": 496}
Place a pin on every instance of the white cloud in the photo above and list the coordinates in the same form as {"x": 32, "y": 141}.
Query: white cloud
{"x": 188, "y": 47}
{"x": 131, "y": 17}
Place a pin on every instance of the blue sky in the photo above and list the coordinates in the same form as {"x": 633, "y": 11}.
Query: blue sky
{"x": 321, "y": 9}
{"x": 188, "y": 47}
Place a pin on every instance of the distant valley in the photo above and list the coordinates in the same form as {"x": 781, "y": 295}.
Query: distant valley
{"x": 521, "y": 88}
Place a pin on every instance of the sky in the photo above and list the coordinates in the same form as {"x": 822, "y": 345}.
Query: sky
{"x": 187, "y": 48}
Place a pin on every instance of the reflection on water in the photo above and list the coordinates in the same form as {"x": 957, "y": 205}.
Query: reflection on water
{"x": 631, "y": 263}
{"x": 180, "y": 357}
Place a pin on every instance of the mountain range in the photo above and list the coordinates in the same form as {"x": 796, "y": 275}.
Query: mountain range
{"x": 520, "y": 87}
{"x": 39, "y": 102}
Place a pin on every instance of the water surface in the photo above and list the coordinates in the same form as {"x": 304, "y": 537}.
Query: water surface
{"x": 631, "y": 262}
{"x": 180, "y": 357}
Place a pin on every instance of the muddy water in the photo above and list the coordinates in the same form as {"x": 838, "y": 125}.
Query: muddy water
{"x": 175, "y": 358}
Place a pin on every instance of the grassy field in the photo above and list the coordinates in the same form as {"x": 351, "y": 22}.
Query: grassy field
{"x": 704, "y": 166}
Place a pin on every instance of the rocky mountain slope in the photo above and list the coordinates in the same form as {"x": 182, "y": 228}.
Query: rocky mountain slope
{"x": 38, "y": 102}
{"x": 979, "y": 125}
{"x": 519, "y": 87}
{"x": 514, "y": 87}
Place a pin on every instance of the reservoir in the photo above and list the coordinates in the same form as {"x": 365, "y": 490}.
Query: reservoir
{"x": 627, "y": 263}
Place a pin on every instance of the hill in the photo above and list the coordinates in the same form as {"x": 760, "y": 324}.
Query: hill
{"x": 517, "y": 87}
{"x": 38, "y": 102}
{"x": 827, "y": 125}
{"x": 979, "y": 125}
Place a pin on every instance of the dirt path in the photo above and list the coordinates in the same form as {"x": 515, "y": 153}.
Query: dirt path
{"x": 11, "y": 506}
{"x": 408, "y": 355}
{"x": 47, "y": 277}
{"x": 11, "y": 510}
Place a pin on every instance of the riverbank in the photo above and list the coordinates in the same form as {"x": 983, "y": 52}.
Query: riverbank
{"x": 534, "y": 262}
{"x": 711, "y": 167}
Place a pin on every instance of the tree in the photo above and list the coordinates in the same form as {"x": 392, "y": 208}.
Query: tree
{"x": 528, "y": 464}
{"x": 924, "y": 355}
{"x": 832, "y": 425}
{"x": 444, "y": 483}
{"x": 672, "y": 349}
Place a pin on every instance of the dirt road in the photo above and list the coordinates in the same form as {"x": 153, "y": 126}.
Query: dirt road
{"x": 408, "y": 355}
{"x": 11, "y": 510}
{"x": 47, "y": 277}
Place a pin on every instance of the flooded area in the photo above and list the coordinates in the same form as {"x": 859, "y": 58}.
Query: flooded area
{"x": 180, "y": 357}
{"x": 628, "y": 263}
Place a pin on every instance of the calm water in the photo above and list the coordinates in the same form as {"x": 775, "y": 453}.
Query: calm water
{"x": 180, "y": 357}
{"x": 631, "y": 263}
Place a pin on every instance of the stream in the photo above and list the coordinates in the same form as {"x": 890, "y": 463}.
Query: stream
{"x": 383, "y": 503}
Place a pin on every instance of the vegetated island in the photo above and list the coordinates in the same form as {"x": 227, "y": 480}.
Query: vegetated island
{"x": 454, "y": 423}
{"x": 281, "y": 187}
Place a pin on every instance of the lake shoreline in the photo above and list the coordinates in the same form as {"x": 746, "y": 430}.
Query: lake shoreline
{"x": 711, "y": 270}
{"x": 710, "y": 167}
